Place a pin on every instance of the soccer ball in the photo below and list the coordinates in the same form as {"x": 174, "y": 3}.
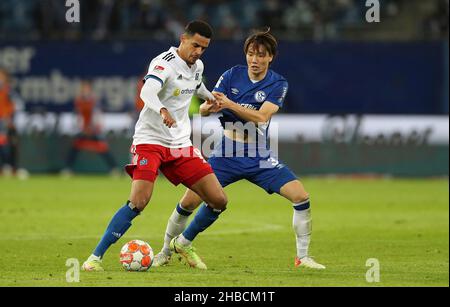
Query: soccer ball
{"x": 136, "y": 255}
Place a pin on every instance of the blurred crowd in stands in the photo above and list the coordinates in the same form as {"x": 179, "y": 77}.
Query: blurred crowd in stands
{"x": 165, "y": 19}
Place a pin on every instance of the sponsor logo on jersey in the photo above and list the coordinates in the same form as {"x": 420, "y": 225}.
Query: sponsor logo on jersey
{"x": 249, "y": 106}
{"x": 234, "y": 91}
{"x": 260, "y": 96}
{"x": 188, "y": 91}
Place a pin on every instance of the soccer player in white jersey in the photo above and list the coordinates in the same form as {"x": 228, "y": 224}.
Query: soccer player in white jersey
{"x": 162, "y": 136}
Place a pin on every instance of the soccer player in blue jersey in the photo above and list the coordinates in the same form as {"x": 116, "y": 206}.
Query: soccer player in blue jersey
{"x": 244, "y": 94}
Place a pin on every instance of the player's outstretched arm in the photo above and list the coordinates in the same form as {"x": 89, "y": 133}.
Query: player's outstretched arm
{"x": 204, "y": 94}
{"x": 262, "y": 115}
{"x": 209, "y": 107}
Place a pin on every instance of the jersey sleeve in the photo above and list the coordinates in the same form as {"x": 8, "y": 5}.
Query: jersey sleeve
{"x": 201, "y": 67}
{"x": 222, "y": 85}
{"x": 278, "y": 94}
{"x": 159, "y": 70}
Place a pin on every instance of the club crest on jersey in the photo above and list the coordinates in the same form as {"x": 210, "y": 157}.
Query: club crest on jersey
{"x": 197, "y": 75}
{"x": 260, "y": 96}
{"x": 143, "y": 162}
{"x": 180, "y": 77}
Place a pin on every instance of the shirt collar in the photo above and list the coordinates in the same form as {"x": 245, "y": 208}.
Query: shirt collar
{"x": 181, "y": 62}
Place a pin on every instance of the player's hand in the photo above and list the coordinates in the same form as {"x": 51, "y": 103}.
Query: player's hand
{"x": 210, "y": 106}
{"x": 213, "y": 106}
{"x": 167, "y": 118}
{"x": 222, "y": 100}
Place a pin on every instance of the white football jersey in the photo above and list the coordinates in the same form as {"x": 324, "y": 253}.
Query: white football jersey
{"x": 179, "y": 83}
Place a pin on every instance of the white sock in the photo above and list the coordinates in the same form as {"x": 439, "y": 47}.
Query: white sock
{"x": 175, "y": 226}
{"x": 183, "y": 241}
{"x": 302, "y": 227}
{"x": 93, "y": 257}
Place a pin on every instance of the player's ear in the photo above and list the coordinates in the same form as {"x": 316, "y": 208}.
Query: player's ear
{"x": 182, "y": 38}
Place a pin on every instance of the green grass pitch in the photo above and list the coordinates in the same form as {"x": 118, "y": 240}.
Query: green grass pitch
{"x": 403, "y": 223}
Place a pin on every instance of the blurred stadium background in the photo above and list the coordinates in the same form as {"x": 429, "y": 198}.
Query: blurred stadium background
{"x": 365, "y": 98}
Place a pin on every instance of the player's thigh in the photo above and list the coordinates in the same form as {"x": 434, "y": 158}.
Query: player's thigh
{"x": 190, "y": 200}
{"x": 271, "y": 178}
{"x": 294, "y": 191}
{"x": 210, "y": 190}
{"x": 141, "y": 192}
{"x": 227, "y": 170}
{"x": 188, "y": 168}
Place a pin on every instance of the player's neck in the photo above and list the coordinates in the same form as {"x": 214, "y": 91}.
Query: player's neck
{"x": 257, "y": 77}
{"x": 181, "y": 57}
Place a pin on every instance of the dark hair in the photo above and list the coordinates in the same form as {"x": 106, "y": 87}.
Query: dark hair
{"x": 199, "y": 27}
{"x": 262, "y": 38}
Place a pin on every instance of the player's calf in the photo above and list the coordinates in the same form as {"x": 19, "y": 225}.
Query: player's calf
{"x": 141, "y": 193}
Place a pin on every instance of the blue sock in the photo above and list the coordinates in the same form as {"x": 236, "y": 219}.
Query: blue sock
{"x": 119, "y": 224}
{"x": 203, "y": 219}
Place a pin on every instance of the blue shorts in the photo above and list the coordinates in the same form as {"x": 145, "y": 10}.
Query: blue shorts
{"x": 232, "y": 169}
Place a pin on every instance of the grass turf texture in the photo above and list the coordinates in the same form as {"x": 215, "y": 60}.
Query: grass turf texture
{"x": 402, "y": 223}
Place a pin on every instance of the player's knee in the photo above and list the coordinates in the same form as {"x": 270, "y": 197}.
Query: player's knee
{"x": 190, "y": 206}
{"x": 219, "y": 201}
{"x": 190, "y": 201}
{"x": 140, "y": 201}
{"x": 299, "y": 197}
{"x": 140, "y": 204}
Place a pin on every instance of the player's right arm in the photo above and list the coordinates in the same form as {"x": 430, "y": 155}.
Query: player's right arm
{"x": 158, "y": 74}
{"x": 149, "y": 94}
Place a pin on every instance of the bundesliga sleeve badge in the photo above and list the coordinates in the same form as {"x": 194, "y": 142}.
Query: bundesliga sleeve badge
{"x": 158, "y": 68}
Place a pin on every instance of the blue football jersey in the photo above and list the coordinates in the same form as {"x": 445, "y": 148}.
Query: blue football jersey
{"x": 237, "y": 86}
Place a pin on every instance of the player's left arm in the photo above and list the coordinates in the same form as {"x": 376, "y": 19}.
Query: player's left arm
{"x": 210, "y": 105}
{"x": 262, "y": 115}
{"x": 203, "y": 93}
